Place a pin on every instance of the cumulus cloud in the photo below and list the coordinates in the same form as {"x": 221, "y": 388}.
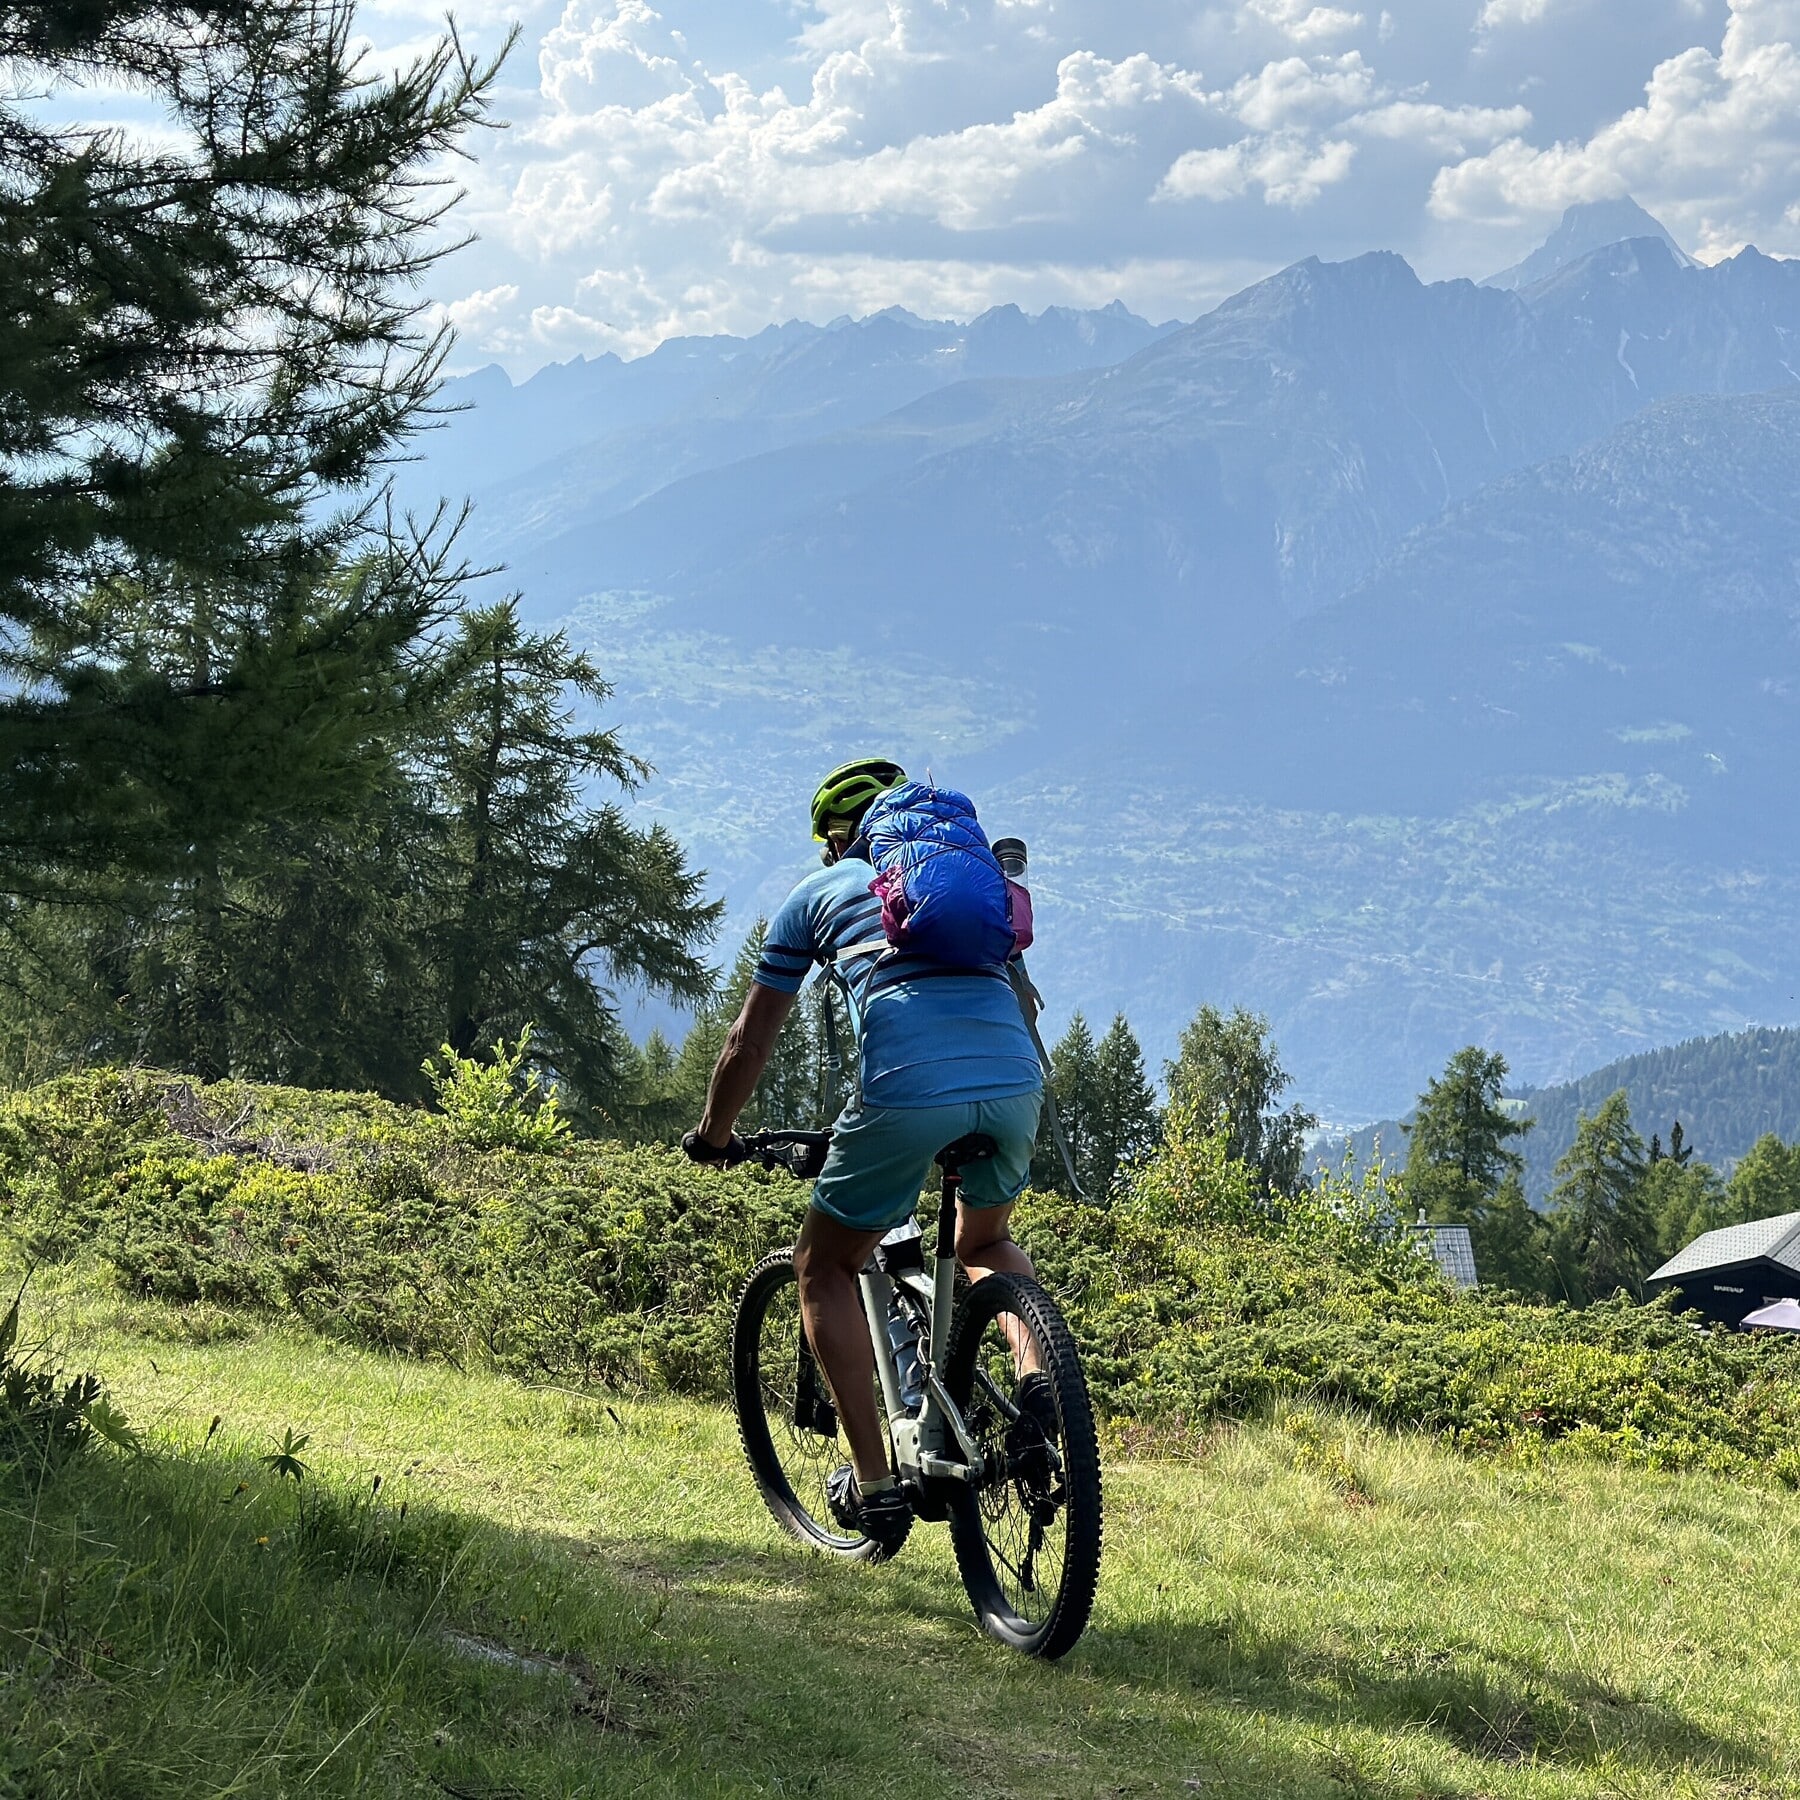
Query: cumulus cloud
{"x": 1303, "y": 23}
{"x": 608, "y": 56}
{"x": 477, "y": 318}
{"x": 1448, "y": 130}
{"x": 769, "y": 160}
{"x": 823, "y": 156}
{"x": 1288, "y": 170}
{"x": 1294, "y": 89}
{"x": 1713, "y": 150}
{"x": 1498, "y": 14}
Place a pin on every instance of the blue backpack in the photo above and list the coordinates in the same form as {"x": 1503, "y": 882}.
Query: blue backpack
{"x": 942, "y": 893}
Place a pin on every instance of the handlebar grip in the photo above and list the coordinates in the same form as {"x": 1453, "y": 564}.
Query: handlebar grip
{"x": 698, "y": 1150}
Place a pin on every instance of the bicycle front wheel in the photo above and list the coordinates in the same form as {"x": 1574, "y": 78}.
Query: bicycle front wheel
{"x": 1028, "y": 1539}
{"x": 785, "y": 1417}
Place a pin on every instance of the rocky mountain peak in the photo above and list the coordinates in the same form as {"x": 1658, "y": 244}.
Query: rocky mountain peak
{"x": 1586, "y": 226}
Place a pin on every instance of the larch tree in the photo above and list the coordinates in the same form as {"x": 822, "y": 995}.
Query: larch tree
{"x": 214, "y": 339}
{"x": 1461, "y": 1169}
{"x": 1072, "y": 1089}
{"x": 1125, "y": 1116}
{"x": 1602, "y": 1236}
{"x": 1226, "y": 1068}
{"x": 273, "y": 801}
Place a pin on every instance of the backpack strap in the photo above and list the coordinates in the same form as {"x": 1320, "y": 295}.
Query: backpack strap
{"x": 1029, "y": 1000}
{"x": 873, "y": 947}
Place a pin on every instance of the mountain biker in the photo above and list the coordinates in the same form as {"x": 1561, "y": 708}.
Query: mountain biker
{"x": 943, "y": 1053}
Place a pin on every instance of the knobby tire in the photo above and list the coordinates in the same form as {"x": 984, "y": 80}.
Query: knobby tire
{"x": 789, "y": 1463}
{"x": 991, "y": 1530}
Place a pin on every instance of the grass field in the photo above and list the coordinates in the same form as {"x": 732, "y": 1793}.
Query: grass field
{"x": 555, "y": 1595}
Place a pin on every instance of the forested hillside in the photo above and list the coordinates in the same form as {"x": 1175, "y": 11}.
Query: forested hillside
{"x": 1726, "y": 1092}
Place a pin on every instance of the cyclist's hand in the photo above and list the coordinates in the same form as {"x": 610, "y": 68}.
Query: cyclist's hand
{"x": 716, "y": 1156}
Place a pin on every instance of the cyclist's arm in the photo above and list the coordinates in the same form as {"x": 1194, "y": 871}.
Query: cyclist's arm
{"x": 748, "y": 1046}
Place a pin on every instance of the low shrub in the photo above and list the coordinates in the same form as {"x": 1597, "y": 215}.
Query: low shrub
{"x": 570, "y": 1261}
{"x": 1195, "y": 1299}
{"x": 47, "y": 1417}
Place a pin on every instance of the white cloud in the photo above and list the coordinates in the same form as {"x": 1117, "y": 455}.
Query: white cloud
{"x": 1303, "y": 23}
{"x": 1289, "y": 169}
{"x": 608, "y": 55}
{"x": 1714, "y": 150}
{"x": 1286, "y": 92}
{"x": 1498, "y": 14}
{"x": 478, "y": 317}
{"x": 728, "y": 151}
{"x": 810, "y": 157}
{"x": 1447, "y": 130}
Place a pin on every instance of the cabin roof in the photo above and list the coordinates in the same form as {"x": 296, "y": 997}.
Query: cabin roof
{"x": 1775, "y": 1240}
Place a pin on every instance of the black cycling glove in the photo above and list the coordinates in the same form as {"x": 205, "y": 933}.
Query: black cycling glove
{"x": 712, "y": 1155}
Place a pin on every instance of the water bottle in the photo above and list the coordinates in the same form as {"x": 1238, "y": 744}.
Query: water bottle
{"x": 905, "y": 1344}
{"x": 1009, "y": 853}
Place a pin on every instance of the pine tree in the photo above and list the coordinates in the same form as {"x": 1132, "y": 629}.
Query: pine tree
{"x": 289, "y": 945}
{"x": 546, "y": 894}
{"x": 650, "y": 1108}
{"x": 787, "y": 1096}
{"x": 1512, "y": 1243}
{"x": 1602, "y": 1236}
{"x": 272, "y": 802}
{"x": 213, "y": 341}
{"x": 1460, "y": 1169}
{"x": 1124, "y": 1116}
{"x": 1073, "y": 1088}
{"x": 1682, "y": 1199}
{"x": 1228, "y": 1070}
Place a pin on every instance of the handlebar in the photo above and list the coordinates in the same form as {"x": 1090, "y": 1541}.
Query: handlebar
{"x": 801, "y": 1153}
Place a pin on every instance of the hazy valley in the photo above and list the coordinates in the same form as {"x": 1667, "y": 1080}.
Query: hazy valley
{"x": 1411, "y": 662}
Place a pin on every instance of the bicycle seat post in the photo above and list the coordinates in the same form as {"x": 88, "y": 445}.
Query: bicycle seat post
{"x": 976, "y": 1147}
{"x": 943, "y": 1286}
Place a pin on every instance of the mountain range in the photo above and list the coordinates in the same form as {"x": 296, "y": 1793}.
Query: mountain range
{"x": 1412, "y": 662}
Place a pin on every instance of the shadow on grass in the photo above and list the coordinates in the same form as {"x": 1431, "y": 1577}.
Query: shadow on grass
{"x": 1481, "y": 1701}
{"x": 1475, "y": 1700}
{"x": 306, "y": 1634}
{"x": 181, "y": 1624}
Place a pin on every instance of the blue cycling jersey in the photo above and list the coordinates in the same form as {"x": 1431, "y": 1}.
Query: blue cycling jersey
{"x": 928, "y": 1038}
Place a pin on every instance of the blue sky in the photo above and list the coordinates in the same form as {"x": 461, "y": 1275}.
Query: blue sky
{"x": 714, "y": 165}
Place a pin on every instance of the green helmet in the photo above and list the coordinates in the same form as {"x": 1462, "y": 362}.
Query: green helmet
{"x": 846, "y": 792}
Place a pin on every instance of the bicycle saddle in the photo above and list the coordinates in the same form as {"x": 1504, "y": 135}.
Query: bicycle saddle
{"x": 976, "y": 1147}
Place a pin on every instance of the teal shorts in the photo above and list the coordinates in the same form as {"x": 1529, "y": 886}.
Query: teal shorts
{"x": 880, "y": 1157}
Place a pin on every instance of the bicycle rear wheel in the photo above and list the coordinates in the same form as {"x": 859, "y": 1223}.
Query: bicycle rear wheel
{"x": 784, "y": 1413}
{"x": 1028, "y": 1540}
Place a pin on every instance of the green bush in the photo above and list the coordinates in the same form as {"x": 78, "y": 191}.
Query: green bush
{"x": 496, "y": 1105}
{"x": 572, "y": 1262}
{"x": 1195, "y": 1300}
{"x": 45, "y": 1418}
{"x": 1195, "y": 1297}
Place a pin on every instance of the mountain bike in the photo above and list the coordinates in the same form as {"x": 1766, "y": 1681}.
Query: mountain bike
{"x": 1021, "y": 1495}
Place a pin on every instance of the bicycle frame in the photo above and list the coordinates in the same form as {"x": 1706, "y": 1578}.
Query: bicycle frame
{"x": 922, "y": 1442}
{"x": 935, "y": 1443}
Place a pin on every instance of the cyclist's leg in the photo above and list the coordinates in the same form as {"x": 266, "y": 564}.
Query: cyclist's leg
{"x": 984, "y": 1241}
{"x": 870, "y": 1182}
{"x": 827, "y": 1260}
